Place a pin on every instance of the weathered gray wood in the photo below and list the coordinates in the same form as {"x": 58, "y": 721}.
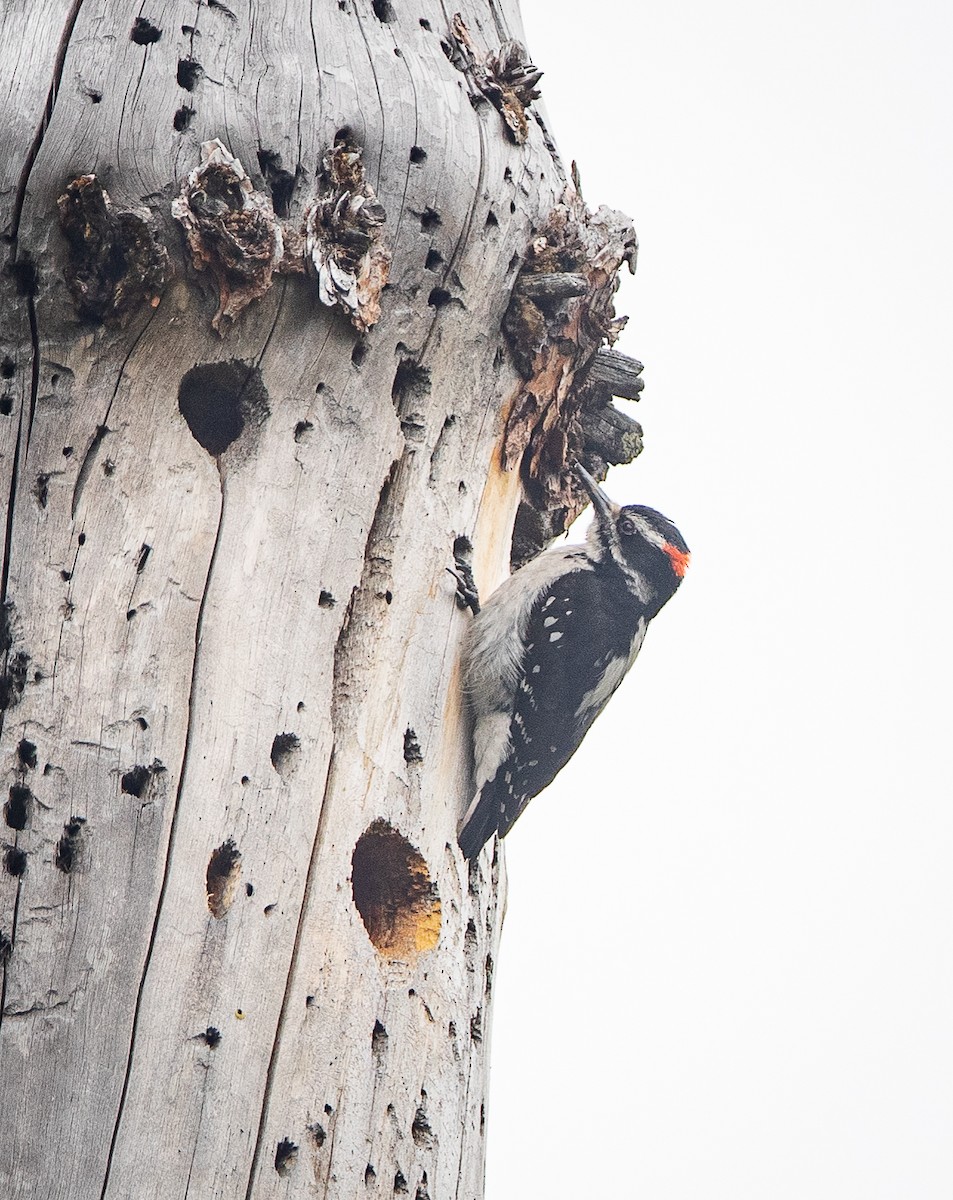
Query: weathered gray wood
{"x": 155, "y": 1042}
{"x": 550, "y": 289}
{"x": 611, "y": 434}
{"x": 619, "y": 374}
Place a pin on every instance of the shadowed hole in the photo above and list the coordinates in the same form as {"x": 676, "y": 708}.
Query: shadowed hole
{"x": 16, "y": 811}
{"x": 26, "y": 753}
{"x": 383, "y": 10}
{"x": 429, "y": 219}
{"x": 439, "y": 297}
{"x": 188, "y": 73}
{"x": 143, "y": 32}
{"x": 66, "y": 857}
{"x": 394, "y": 893}
{"x": 283, "y": 751}
{"x": 219, "y": 399}
{"x": 417, "y": 154}
{"x": 285, "y": 1156}
{"x": 182, "y": 118}
{"x": 434, "y": 259}
{"x": 14, "y": 861}
{"x": 221, "y": 878}
{"x": 280, "y": 182}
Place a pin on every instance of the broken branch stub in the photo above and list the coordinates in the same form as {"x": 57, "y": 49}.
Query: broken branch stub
{"x": 555, "y": 333}
{"x": 115, "y": 261}
{"x": 344, "y": 238}
{"x": 231, "y": 229}
{"x": 505, "y": 76}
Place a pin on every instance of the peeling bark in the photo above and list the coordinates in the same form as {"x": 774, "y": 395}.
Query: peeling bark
{"x": 241, "y": 953}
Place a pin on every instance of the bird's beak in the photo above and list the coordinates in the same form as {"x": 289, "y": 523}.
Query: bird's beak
{"x": 605, "y": 509}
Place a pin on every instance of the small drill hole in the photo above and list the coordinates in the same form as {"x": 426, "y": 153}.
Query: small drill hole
{"x": 14, "y": 861}
{"x": 283, "y": 751}
{"x": 285, "y": 1157}
{"x": 16, "y": 811}
{"x": 188, "y": 73}
{"x": 183, "y": 118}
{"x": 221, "y": 878}
{"x": 144, "y": 33}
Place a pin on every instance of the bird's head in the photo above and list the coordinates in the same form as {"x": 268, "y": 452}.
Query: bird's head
{"x": 637, "y": 539}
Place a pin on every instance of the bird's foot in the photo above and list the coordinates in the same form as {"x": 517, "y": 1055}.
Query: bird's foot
{"x": 467, "y": 594}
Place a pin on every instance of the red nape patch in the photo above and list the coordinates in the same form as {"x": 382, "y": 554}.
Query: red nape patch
{"x": 680, "y": 559}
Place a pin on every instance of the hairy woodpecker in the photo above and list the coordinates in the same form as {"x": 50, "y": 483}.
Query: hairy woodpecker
{"x": 550, "y": 647}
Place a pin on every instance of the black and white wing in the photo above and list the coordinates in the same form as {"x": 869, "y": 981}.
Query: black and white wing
{"x": 583, "y": 633}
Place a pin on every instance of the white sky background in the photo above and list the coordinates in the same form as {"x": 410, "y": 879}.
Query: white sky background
{"x": 727, "y": 964}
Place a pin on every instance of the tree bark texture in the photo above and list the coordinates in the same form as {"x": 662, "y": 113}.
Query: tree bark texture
{"x": 241, "y": 437}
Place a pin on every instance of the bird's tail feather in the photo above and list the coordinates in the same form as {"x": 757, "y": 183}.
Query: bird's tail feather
{"x": 479, "y": 827}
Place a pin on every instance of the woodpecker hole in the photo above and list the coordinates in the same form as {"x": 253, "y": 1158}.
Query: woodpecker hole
{"x": 325, "y": 600}
{"x": 369, "y": 1175}
{"x": 400, "y": 1184}
{"x": 134, "y": 781}
{"x": 301, "y": 428}
{"x": 412, "y": 751}
{"x": 439, "y": 297}
{"x": 6, "y": 949}
{"x": 188, "y": 73}
{"x": 219, "y": 399}
{"x": 418, "y": 154}
{"x": 7, "y": 367}
{"x": 14, "y": 861}
{"x": 358, "y": 354}
{"x": 143, "y": 32}
{"x": 411, "y": 385}
{"x": 318, "y": 1133}
{"x": 429, "y": 219}
{"x": 383, "y": 10}
{"x": 420, "y": 1130}
{"x": 16, "y": 811}
{"x": 6, "y": 404}
{"x": 285, "y": 1157}
{"x": 434, "y": 259}
{"x": 26, "y": 753}
{"x": 68, "y": 848}
{"x": 182, "y": 118}
{"x": 394, "y": 893}
{"x": 281, "y": 183}
{"x": 283, "y": 751}
{"x": 425, "y": 24}
{"x": 221, "y": 878}
{"x": 491, "y": 219}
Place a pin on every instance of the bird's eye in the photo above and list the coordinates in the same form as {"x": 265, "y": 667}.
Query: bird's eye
{"x": 627, "y": 525}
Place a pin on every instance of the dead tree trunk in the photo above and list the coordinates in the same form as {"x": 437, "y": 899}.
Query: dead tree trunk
{"x": 260, "y": 371}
